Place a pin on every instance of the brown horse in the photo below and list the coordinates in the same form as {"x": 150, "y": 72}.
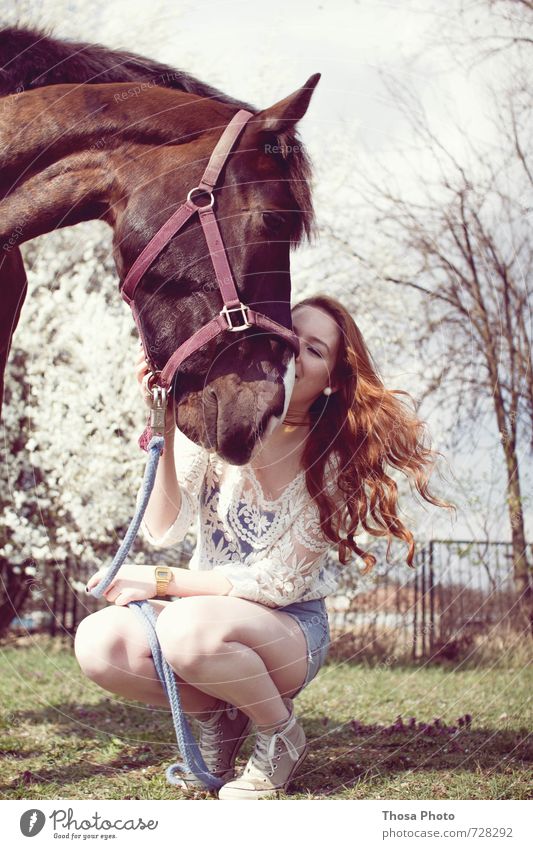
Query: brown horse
{"x": 86, "y": 132}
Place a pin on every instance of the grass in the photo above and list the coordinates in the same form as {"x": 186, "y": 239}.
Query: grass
{"x": 463, "y": 733}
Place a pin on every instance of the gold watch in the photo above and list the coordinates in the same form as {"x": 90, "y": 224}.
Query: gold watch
{"x": 163, "y": 577}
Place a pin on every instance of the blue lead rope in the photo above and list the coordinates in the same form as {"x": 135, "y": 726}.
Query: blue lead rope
{"x": 186, "y": 743}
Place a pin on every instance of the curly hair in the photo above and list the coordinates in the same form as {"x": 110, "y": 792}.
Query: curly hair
{"x": 370, "y": 428}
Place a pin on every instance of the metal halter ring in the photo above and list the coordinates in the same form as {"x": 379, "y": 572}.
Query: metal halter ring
{"x": 148, "y": 382}
{"x": 205, "y": 192}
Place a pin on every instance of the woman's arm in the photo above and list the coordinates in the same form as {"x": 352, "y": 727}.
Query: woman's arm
{"x": 186, "y": 582}
{"x": 136, "y": 582}
{"x": 173, "y": 503}
{"x": 165, "y": 500}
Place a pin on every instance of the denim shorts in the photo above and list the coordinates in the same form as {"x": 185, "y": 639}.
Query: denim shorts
{"x": 313, "y": 619}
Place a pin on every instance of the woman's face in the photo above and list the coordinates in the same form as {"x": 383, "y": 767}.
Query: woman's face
{"x": 319, "y": 341}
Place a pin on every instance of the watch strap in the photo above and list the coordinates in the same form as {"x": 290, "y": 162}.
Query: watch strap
{"x": 163, "y": 576}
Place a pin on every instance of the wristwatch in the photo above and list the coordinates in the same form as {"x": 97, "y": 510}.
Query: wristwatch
{"x": 163, "y": 577}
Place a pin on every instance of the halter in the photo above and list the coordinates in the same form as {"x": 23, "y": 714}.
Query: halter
{"x": 243, "y": 316}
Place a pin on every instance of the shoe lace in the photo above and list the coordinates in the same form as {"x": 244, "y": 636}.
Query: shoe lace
{"x": 265, "y": 747}
{"x": 211, "y": 734}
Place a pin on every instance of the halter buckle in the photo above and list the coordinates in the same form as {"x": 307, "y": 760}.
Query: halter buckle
{"x": 158, "y": 408}
{"x": 225, "y": 311}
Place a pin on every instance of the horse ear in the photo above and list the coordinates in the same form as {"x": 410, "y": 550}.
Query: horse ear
{"x": 288, "y": 111}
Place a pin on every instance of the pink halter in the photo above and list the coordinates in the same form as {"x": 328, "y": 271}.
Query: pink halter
{"x": 232, "y": 304}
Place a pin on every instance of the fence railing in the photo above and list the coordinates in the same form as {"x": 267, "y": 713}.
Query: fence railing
{"x": 457, "y": 588}
{"x": 57, "y": 601}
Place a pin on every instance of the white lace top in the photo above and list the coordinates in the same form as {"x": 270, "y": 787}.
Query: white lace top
{"x": 272, "y": 551}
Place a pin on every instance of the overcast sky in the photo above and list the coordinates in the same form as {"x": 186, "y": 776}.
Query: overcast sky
{"x": 263, "y": 51}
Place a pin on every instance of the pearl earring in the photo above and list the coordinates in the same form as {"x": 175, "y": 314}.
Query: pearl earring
{"x": 328, "y": 390}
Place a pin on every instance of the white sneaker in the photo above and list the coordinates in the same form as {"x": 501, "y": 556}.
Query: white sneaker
{"x": 273, "y": 763}
{"x": 221, "y": 738}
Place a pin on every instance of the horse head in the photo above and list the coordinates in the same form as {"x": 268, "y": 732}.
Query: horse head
{"x": 236, "y": 388}
{"x": 85, "y": 133}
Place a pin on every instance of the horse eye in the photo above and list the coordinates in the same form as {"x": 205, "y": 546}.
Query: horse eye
{"x": 275, "y": 221}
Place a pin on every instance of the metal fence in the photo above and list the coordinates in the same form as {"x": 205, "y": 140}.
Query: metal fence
{"x": 57, "y": 601}
{"x": 457, "y": 589}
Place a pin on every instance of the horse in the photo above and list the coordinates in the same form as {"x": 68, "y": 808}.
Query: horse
{"x": 87, "y": 132}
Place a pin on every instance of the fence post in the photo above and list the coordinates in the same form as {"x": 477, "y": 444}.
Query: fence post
{"x": 54, "y": 603}
{"x": 431, "y": 598}
{"x": 74, "y": 612}
{"x": 415, "y": 616}
{"x": 423, "y": 600}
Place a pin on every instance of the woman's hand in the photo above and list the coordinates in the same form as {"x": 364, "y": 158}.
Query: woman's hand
{"x": 142, "y": 370}
{"x": 133, "y": 582}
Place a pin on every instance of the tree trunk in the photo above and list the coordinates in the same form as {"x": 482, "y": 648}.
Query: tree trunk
{"x": 16, "y": 591}
{"x": 521, "y": 567}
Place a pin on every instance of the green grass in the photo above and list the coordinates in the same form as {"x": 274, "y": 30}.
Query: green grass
{"x": 62, "y": 737}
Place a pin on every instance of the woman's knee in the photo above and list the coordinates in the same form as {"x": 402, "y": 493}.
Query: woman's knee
{"x": 108, "y": 640}
{"x": 186, "y": 636}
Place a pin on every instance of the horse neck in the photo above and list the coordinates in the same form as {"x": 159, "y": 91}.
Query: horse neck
{"x": 62, "y": 148}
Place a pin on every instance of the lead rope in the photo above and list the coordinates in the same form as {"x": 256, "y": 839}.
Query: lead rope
{"x": 187, "y": 745}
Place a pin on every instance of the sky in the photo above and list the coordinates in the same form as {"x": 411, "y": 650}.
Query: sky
{"x": 262, "y": 52}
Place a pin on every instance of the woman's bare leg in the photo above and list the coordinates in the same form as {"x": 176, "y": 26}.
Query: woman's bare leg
{"x": 245, "y": 653}
{"x": 112, "y": 649}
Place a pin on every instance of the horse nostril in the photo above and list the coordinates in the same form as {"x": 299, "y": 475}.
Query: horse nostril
{"x": 210, "y": 394}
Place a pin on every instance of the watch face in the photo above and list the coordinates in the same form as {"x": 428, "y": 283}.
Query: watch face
{"x": 161, "y": 573}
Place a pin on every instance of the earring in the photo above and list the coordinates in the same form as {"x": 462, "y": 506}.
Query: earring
{"x": 328, "y": 390}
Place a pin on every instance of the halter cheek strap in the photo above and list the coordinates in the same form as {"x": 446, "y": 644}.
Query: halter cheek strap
{"x": 234, "y": 315}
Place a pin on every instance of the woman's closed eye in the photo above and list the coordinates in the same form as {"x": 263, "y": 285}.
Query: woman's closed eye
{"x": 314, "y": 350}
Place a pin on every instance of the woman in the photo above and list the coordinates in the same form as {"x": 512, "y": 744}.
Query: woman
{"x": 248, "y": 628}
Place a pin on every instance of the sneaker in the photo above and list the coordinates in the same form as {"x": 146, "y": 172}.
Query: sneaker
{"x": 221, "y": 738}
{"x": 272, "y": 765}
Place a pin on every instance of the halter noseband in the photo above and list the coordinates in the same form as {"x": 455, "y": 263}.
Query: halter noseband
{"x": 232, "y": 303}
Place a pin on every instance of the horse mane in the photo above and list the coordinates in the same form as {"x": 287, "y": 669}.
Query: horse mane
{"x": 31, "y": 58}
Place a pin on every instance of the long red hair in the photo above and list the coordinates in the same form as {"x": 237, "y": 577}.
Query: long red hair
{"x": 370, "y": 428}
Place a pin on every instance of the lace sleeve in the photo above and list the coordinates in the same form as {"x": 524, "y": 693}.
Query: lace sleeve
{"x": 295, "y": 564}
{"x": 275, "y": 582}
{"x": 191, "y": 463}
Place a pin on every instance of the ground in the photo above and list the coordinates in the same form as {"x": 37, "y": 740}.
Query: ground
{"x": 408, "y": 732}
